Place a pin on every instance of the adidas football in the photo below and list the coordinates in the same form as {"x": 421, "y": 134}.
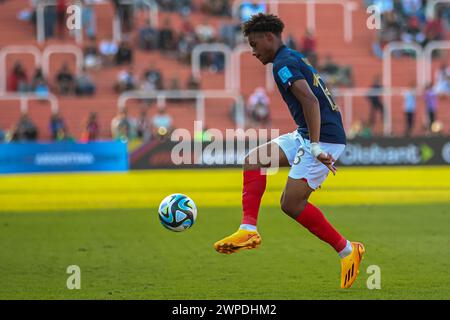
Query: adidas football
{"x": 177, "y": 212}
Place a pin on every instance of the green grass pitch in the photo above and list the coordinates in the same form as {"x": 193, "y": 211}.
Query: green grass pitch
{"x": 107, "y": 224}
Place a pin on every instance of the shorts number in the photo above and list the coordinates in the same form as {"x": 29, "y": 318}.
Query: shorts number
{"x": 298, "y": 156}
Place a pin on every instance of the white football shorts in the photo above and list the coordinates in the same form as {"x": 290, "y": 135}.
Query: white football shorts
{"x": 303, "y": 164}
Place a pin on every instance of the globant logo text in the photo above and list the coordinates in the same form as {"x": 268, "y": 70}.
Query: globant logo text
{"x": 355, "y": 154}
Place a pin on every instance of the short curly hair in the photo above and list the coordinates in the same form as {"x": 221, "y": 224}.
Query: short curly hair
{"x": 262, "y": 22}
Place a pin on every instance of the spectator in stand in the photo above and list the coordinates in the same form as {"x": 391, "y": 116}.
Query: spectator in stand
{"x": 359, "y": 130}
{"x": 108, "y": 50}
{"x": 309, "y": 46}
{"x": 64, "y": 136}
{"x": 65, "y": 81}
{"x": 25, "y": 129}
{"x": 442, "y": 80}
{"x": 144, "y": 126}
{"x": 124, "y": 10}
{"x": 89, "y": 18}
{"x": 125, "y": 81}
{"x": 154, "y": 77}
{"x": 39, "y": 84}
{"x": 258, "y": 107}
{"x": 216, "y": 7}
{"x": 183, "y": 7}
{"x": 330, "y": 69}
{"x": 61, "y": 8}
{"x": 174, "y": 85}
{"x": 250, "y": 8}
{"x": 162, "y": 124}
{"x": 166, "y": 36}
{"x": 205, "y": 32}
{"x": 430, "y": 98}
{"x": 84, "y": 84}
{"x": 230, "y": 34}
{"x": 390, "y": 31}
{"x": 91, "y": 130}
{"x": 412, "y": 33}
{"x": 50, "y": 19}
{"x": 411, "y": 7}
{"x": 406, "y": 20}
{"x": 122, "y": 126}
{"x": 166, "y": 5}
{"x": 124, "y": 54}
{"x": 57, "y": 125}
{"x": 334, "y": 74}
{"x": 91, "y": 57}
{"x": 193, "y": 83}
{"x": 151, "y": 80}
{"x": 376, "y": 106}
{"x": 186, "y": 44}
{"x": 148, "y": 37}
{"x": 187, "y": 26}
{"x": 291, "y": 43}
{"x": 410, "y": 109}
{"x": 18, "y": 80}
{"x": 446, "y": 17}
{"x": 434, "y": 30}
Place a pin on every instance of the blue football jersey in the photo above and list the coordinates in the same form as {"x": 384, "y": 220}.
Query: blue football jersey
{"x": 290, "y": 65}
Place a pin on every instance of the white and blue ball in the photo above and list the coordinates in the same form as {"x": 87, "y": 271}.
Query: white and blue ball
{"x": 177, "y": 212}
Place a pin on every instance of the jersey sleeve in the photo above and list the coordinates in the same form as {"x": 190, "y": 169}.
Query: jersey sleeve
{"x": 287, "y": 72}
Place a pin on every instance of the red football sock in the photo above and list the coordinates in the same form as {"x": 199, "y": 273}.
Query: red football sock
{"x": 252, "y": 192}
{"x": 313, "y": 220}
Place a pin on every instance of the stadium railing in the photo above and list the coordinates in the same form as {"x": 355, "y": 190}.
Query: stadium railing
{"x": 348, "y": 94}
{"x": 25, "y": 97}
{"x": 232, "y": 64}
{"x": 387, "y": 76}
{"x": 152, "y": 6}
{"x": 40, "y": 59}
{"x": 116, "y": 25}
{"x": 213, "y": 47}
{"x": 428, "y": 57}
{"x": 66, "y": 48}
{"x": 5, "y": 51}
{"x": 153, "y": 12}
{"x": 348, "y": 8}
{"x": 430, "y": 10}
{"x": 199, "y": 95}
{"x": 40, "y": 21}
{"x": 236, "y": 67}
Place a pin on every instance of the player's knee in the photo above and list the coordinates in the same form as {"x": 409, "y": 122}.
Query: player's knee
{"x": 288, "y": 208}
{"x": 292, "y": 208}
{"x": 251, "y": 161}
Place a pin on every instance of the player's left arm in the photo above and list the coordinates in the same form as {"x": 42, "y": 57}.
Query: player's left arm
{"x": 311, "y": 110}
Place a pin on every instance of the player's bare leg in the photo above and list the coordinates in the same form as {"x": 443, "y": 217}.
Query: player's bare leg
{"x": 294, "y": 202}
{"x": 247, "y": 237}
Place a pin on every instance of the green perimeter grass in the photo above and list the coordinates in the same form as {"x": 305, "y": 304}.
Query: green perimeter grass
{"x": 127, "y": 254}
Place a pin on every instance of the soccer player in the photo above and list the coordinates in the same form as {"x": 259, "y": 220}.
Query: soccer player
{"x": 310, "y": 151}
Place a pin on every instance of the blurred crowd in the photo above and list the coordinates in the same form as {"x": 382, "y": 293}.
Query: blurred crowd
{"x": 410, "y": 21}
{"x": 405, "y": 20}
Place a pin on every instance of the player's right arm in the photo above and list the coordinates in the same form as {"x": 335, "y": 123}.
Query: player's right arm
{"x": 291, "y": 78}
{"x": 311, "y": 110}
